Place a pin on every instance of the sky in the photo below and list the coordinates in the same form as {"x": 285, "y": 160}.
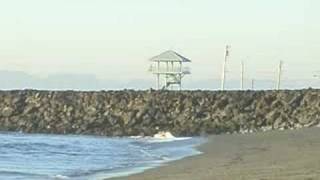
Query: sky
{"x": 113, "y": 40}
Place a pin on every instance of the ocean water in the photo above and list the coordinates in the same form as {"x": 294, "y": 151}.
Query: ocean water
{"x": 42, "y": 157}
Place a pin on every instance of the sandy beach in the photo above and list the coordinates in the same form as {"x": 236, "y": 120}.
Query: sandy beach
{"x": 292, "y": 154}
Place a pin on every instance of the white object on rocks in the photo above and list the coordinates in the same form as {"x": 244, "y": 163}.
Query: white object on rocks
{"x": 164, "y": 135}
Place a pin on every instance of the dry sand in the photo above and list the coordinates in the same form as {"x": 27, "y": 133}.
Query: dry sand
{"x": 269, "y": 155}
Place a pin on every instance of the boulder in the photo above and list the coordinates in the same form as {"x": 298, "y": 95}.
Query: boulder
{"x": 7, "y": 111}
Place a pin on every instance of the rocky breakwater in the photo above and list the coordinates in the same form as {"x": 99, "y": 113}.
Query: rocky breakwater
{"x": 122, "y": 113}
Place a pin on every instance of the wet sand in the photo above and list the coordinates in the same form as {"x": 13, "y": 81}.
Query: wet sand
{"x": 292, "y": 154}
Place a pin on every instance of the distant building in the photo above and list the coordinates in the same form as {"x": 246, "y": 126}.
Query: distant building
{"x": 169, "y": 69}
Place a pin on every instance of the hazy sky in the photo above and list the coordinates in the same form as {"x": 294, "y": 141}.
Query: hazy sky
{"x": 113, "y": 39}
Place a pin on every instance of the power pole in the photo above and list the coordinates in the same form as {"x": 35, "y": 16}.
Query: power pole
{"x": 158, "y": 75}
{"x": 252, "y": 84}
{"x": 279, "y": 75}
{"x": 226, "y": 55}
{"x": 316, "y": 75}
{"x": 242, "y": 75}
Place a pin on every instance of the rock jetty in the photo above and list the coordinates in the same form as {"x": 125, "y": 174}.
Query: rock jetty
{"x": 184, "y": 113}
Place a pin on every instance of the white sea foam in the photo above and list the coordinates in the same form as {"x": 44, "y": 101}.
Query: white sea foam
{"x": 161, "y": 137}
{"x": 159, "y": 140}
{"x": 60, "y": 177}
{"x": 136, "y": 137}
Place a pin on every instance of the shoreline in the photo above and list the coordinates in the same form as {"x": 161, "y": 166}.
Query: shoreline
{"x": 190, "y": 150}
{"x": 290, "y": 154}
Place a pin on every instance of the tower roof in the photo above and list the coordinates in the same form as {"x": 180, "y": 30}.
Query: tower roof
{"x": 171, "y": 56}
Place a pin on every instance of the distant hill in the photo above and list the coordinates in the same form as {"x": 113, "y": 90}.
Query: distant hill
{"x": 22, "y": 80}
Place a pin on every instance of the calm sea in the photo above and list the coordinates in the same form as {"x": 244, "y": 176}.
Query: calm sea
{"x": 39, "y": 157}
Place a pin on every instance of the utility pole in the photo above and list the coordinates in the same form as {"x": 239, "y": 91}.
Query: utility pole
{"x": 316, "y": 74}
{"x": 226, "y": 55}
{"x": 158, "y": 75}
{"x": 180, "y": 75}
{"x": 279, "y": 75}
{"x": 166, "y": 80}
{"x": 252, "y": 84}
{"x": 242, "y": 75}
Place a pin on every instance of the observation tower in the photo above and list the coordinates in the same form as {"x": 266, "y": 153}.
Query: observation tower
{"x": 169, "y": 69}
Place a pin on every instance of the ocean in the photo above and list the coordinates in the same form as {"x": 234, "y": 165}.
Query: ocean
{"x": 77, "y": 157}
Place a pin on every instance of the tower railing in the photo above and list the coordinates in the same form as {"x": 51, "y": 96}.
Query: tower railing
{"x": 170, "y": 70}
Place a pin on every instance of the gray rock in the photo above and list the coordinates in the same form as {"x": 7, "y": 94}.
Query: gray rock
{"x": 118, "y": 113}
{"x": 7, "y": 111}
